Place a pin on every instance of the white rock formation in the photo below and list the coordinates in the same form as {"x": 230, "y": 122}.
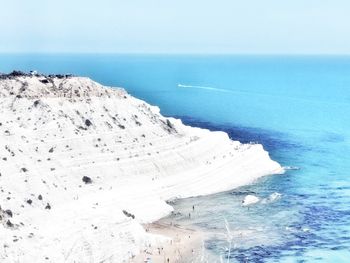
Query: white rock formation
{"x": 250, "y": 200}
{"x": 55, "y": 131}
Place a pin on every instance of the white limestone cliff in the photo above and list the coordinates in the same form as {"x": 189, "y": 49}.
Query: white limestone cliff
{"x": 83, "y": 165}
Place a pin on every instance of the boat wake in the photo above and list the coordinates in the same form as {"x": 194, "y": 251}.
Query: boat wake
{"x": 204, "y": 88}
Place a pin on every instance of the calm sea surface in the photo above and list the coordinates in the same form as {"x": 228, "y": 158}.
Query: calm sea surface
{"x": 297, "y": 107}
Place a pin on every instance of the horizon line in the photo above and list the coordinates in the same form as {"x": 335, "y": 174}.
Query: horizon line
{"x": 170, "y": 53}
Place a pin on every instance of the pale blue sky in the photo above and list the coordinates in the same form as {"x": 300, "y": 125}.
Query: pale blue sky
{"x": 178, "y": 26}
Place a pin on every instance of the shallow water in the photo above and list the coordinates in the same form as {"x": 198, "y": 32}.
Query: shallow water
{"x": 309, "y": 221}
{"x": 297, "y": 107}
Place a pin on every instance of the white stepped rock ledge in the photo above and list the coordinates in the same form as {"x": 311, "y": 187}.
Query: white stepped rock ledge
{"x": 83, "y": 165}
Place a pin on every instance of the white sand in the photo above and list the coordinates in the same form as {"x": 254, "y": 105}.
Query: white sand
{"x": 181, "y": 245}
{"x": 136, "y": 159}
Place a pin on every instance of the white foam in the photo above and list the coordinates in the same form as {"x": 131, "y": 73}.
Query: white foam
{"x": 291, "y": 168}
{"x": 274, "y": 196}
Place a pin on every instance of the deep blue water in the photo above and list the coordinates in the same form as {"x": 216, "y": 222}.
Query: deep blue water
{"x": 297, "y": 107}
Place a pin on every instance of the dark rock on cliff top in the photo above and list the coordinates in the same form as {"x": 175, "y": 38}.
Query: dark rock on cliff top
{"x": 18, "y": 73}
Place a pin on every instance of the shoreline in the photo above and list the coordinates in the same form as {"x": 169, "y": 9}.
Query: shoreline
{"x": 179, "y": 244}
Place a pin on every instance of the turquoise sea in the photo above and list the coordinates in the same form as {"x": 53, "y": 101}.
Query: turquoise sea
{"x": 298, "y": 107}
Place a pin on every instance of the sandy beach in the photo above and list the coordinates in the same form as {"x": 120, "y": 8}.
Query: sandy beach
{"x": 183, "y": 245}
